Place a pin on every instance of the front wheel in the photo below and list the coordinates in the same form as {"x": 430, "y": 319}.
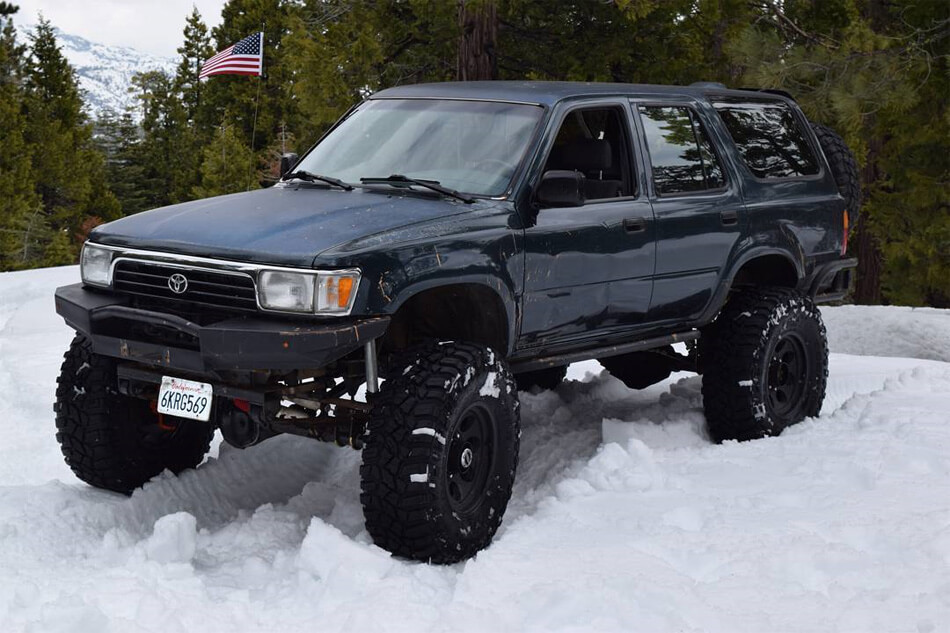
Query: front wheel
{"x": 114, "y": 441}
{"x": 765, "y": 364}
{"x": 440, "y": 453}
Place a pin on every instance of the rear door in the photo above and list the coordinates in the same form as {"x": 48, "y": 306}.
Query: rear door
{"x": 791, "y": 197}
{"x": 697, "y": 204}
{"x": 589, "y": 269}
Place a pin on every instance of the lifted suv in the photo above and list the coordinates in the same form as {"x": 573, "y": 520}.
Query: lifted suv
{"x": 460, "y": 242}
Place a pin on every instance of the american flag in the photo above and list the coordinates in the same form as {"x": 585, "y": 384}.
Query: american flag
{"x": 244, "y": 58}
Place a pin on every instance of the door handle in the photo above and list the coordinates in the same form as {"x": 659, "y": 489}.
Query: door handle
{"x": 729, "y": 218}
{"x": 634, "y": 225}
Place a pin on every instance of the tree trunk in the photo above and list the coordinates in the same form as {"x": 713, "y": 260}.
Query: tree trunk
{"x": 867, "y": 289}
{"x": 478, "y": 26}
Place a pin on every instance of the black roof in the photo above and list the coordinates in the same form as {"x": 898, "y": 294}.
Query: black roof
{"x": 550, "y": 92}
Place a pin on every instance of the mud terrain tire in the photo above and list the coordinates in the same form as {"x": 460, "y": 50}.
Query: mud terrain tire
{"x": 544, "y": 379}
{"x": 440, "y": 453}
{"x": 765, "y": 364}
{"x": 114, "y": 441}
{"x": 844, "y": 168}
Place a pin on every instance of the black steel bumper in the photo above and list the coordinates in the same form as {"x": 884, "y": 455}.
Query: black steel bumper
{"x": 833, "y": 281}
{"x": 235, "y": 344}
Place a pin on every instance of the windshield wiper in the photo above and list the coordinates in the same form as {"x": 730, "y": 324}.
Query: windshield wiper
{"x": 309, "y": 176}
{"x": 398, "y": 180}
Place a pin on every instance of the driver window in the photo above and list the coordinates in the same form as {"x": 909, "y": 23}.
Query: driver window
{"x": 594, "y": 143}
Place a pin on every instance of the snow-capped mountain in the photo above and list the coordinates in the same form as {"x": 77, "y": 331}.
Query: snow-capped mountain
{"x": 105, "y": 72}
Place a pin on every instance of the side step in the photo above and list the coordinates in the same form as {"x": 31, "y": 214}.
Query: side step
{"x": 556, "y": 360}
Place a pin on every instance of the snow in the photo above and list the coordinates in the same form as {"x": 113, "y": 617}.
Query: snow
{"x": 419, "y": 478}
{"x": 624, "y": 516}
{"x": 890, "y": 331}
{"x": 489, "y": 388}
{"x": 105, "y": 72}
{"x": 430, "y": 432}
{"x": 174, "y": 540}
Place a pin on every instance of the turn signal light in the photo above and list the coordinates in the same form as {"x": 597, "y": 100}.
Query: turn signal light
{"x": 844, "y": 241}
{"x": 336, "y": 291}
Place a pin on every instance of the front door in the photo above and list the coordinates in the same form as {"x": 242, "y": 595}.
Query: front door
{"x": 590, "y": 268}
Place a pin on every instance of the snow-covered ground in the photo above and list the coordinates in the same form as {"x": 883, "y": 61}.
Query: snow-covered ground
{"x": 624, "y": 517}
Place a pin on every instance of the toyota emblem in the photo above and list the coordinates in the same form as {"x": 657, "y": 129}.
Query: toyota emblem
{"x": 178, "y": 283}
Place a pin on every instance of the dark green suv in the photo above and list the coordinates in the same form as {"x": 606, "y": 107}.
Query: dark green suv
{"x": 444, "y": 246}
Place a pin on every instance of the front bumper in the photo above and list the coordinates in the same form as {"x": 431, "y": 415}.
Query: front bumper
{"x": 243, "y": 343}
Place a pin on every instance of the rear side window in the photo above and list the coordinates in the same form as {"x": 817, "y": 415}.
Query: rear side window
{"x": 769, "y": 139}
{"x": 681, "y": 153}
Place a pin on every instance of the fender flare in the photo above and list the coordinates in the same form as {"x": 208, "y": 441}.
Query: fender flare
{"x": 722, "y": 291}
{"x": 494, "y": 285}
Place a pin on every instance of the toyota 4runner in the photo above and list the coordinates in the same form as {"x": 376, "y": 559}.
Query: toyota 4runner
{"x": 442, "y": 247}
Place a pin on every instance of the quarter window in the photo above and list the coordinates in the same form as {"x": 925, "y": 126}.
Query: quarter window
{"x": 769, "y": 138}
{"x": 681, "y": 153}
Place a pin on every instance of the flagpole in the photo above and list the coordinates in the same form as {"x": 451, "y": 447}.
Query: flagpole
{"x": 257, "y": 104}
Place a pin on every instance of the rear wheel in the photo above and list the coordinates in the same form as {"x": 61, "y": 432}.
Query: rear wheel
{"x": 440, "y": 453}
{"x": 114, "y": 441}
{"x": 765, "y": 364}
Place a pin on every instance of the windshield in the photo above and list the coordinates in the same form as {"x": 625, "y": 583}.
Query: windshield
{"x": 471, "y": 146}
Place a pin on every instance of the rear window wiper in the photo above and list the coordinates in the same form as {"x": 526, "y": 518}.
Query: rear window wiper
{"x": 309, "y": 176}
{"x": 398, "y": 180}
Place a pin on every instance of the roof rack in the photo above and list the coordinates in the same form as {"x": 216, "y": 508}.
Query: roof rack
{"x": 772, "y": 91}
{"x": 708, "y": 84}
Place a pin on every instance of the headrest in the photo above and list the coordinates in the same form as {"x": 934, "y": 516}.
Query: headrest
{"x": 584, "y": 155}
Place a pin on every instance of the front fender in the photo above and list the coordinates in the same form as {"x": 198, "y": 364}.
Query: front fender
{"x": 482, "y": 249}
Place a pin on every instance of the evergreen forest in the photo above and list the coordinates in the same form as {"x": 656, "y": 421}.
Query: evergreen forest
{"x": 874, "y": 70}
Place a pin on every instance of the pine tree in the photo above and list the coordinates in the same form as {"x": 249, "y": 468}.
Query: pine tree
{"x": 226, "y": 165}
{"x": 118, "y": 139}
{"x": 198, "y": 127}
{"x": 67, "y": 168}
{"x": 876, "y": 71}
{"x": 345, "y": 50}
{"x": 195, "y": 49}
{"x": 166, "y": 148}
{"x": 255, "y": 106}
{"x": 18, "y": 202}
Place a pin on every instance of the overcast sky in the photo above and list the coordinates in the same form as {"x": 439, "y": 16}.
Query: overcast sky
{"x": 153, "y": 26}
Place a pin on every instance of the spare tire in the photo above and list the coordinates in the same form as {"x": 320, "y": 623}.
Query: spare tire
{"x": 844, "y": 168}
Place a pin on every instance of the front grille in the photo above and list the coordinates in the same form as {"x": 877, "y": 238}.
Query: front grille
{"x": 229, "y": 293}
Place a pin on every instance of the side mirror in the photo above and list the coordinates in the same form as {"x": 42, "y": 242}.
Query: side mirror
{"x": 287, "y": 161}
{"x": 561, "y": 188}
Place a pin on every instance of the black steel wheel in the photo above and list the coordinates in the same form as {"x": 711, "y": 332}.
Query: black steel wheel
{"x": 764, "y": 362}
{"x": 470, "y": 455}
{"x": 440, "y": 453}
{"x": 787, "y": 376}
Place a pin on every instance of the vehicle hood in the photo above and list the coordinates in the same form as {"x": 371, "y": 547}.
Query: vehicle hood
{"x": 283, "y": 225}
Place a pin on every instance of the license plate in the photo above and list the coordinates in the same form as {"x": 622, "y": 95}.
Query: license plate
{"x": 185, "y": 398}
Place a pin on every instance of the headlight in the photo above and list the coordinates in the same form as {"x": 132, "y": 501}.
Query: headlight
{"x": 320, "y": 293}
{"x": 96, "y": 265}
